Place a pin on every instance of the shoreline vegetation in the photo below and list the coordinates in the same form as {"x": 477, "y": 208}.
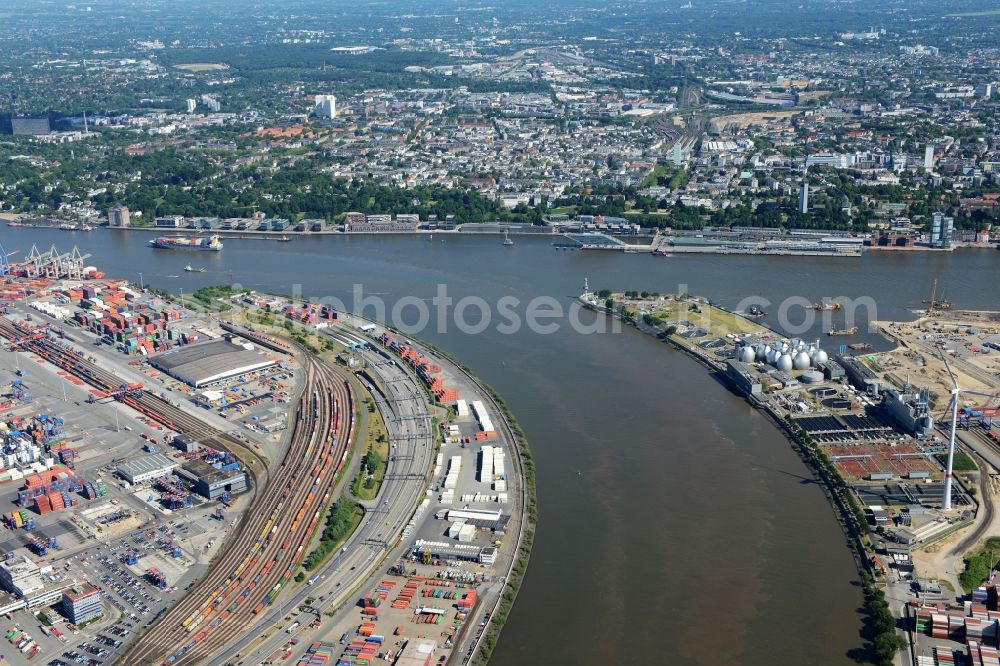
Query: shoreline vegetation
{"x": 880, "y": 623}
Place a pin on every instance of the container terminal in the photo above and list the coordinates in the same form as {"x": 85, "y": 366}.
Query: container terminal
{"x": 164, "y": 476}
{"x": 883, "y": 424}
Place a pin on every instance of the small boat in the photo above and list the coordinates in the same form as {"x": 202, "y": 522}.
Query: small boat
{"x": 826, "y": 306}
{"x": 284, "y": 239}
{"x": 754, "y": 311}
{"x": 507, "y": 242}
{"x": 190, "y": 269}
{"x": 843, "y": 331}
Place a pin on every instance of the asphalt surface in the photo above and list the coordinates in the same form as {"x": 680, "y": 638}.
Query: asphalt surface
{"x": 412, "y": 440}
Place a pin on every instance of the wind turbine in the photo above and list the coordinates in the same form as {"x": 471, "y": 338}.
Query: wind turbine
{"x": 956, "y": 393}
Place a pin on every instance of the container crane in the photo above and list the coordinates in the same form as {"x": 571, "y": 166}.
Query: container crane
{"x": 5, "y": 265}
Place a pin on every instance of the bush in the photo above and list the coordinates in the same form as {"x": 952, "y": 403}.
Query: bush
{"x": 979, "y": 565}
{"x": 339, "y": 521}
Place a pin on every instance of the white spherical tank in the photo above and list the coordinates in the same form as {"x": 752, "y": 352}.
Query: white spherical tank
{"x": 784, "y": 347}
{"x": 801, "y": 361}
{"x": 747, "y": 355}
{"x": 772, "y": 356}
{"x": 820, "y": 357}
{"x": 761, "y": 352}
{"x": 784, "y": 363}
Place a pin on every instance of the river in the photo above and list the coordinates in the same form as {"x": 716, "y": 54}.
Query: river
{"x": 676, "y": 524}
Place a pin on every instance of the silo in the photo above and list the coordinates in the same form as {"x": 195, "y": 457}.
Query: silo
{"x": 784, "y": 363}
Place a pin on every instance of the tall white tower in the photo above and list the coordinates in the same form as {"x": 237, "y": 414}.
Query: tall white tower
{"x": 325, "y": 106}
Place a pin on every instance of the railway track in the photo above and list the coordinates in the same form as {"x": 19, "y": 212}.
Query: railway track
{"x": 268, "y": 543}
{"x": 272, "y": 539}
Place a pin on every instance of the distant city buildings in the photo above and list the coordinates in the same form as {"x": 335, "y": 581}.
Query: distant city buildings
{"x": 325, "y": 106}
{"x": 956, "y": 92}
{"x": 361, "y": 223}
{"x": 804, "y": 197}
{"x": 169, "y": 222}
{"x": 919, "y": 50}
{"x": 118, "y": 216}
{"x": 30, "y": 125}
{"x": 191, "y": 105}
{"x": 212, "y": 103}
{"x": 871, "y": 35}
{"x": 941, "y": 231}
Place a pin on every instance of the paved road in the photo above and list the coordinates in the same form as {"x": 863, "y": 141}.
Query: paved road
{"x": 986, "y": 454}
{"x": 408, "y": 422}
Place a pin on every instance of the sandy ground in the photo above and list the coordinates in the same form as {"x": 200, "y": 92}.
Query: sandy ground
{"x": 942, "y": 560}
{"x": 937, "y": 563}
{"x": 746, "y": 119}
{"x": 916, "y": 358}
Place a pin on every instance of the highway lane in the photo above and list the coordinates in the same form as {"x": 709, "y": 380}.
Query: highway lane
{"x": 405, "y": 410}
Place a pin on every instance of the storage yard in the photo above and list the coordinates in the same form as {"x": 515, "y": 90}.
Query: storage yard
{"x": 90, "y": 495}
{"x": 950, "y": 633}
{"x": 134, "y": 432}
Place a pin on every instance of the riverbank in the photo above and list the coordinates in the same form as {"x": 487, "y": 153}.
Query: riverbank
{"x": 842, "y": 499}
{"x": 494, "y": 617}
{"x": 561, "y": 388}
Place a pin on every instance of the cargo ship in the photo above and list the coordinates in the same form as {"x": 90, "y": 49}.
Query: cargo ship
{"x": 183, "y": 243}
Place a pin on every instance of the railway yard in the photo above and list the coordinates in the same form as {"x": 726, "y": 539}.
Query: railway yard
{"x": 188, "y": 477}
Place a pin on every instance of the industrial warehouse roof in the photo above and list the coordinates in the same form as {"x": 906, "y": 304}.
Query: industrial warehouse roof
{"x": 199, "y": 469}
{"x": 151, "y": 463}
{"x": 209, "y": 362}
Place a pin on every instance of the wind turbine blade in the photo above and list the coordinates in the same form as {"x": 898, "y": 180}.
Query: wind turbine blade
{"x": 982, "y": 393}
{"x": 947, "y": 410}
